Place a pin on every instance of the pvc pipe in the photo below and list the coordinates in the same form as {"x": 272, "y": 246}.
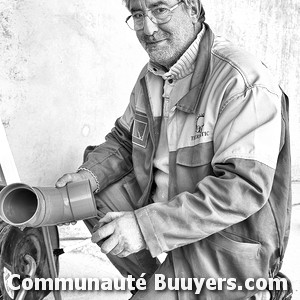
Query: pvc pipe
{"x": 24, "y": 206}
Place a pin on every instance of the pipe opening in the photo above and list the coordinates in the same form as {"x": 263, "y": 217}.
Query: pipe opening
{"x": 20, "y": 205}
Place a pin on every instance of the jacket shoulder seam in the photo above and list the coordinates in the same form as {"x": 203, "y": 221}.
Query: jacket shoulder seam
{"x": 238, "y": 95}
{"x": 235, "y": 66}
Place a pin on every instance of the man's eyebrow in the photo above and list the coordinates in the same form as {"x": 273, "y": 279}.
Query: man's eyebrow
{"x": 158, "y": 3}
{"x": 132, "y": 10}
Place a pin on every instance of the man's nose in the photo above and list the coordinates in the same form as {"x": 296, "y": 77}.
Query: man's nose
{"x": 149, "y": 27}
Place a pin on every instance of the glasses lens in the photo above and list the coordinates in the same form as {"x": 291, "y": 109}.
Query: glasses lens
{"x": 135, "y": 23}
{"x": 161, "y": 14}
{"x": 162, "y": 20}
{"x": 130, "y": 23}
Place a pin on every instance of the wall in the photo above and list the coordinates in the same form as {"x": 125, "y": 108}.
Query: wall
{"x": 67, "y": 68}
{"x": 268, "y": 29}
{"x": 63, "y": 79}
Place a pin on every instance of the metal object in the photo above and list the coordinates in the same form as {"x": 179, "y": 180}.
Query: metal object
{"x": 15, "y": 246}
{"x": 51, "y": 260}
{"x": 30, "y": 272}
{"x": 67, "y": 249}
{"x": 25, "y": 206}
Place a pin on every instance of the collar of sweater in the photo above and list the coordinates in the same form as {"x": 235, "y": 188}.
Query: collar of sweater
{"x": 184, "y": 66}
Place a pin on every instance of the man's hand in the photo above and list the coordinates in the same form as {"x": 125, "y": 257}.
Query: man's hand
{"x": 121, "y": 232}
{"x": 74, "y": 177}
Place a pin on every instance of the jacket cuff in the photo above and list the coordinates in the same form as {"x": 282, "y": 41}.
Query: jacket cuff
{"x": 148, "y": 231}
{"x": 93, "y": 175}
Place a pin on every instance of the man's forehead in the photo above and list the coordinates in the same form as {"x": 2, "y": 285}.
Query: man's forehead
{"x": 138, "y": 4}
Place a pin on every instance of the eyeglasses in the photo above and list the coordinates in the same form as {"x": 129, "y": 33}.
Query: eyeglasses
{"x": 161, "y": 14}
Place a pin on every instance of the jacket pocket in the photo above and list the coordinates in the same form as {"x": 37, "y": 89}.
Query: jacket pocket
{"x": 235, "y": 244}
{"x": 122, "y": 195}
{"x": 192, "y": 165}
{"x": 195, "y": 156}
{"x": 227, "y": 255}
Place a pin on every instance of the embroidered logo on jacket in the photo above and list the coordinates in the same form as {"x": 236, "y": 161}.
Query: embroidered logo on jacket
{"x": 200, "y": 128}
{"x": 140, "y": 129}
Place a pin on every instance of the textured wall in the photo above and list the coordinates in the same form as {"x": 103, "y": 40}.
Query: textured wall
{"x": 67, "y": 68}
{"x": 269, "y": 29}
{"x": 63, "y": 79}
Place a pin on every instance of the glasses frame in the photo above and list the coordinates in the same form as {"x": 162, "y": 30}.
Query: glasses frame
{"x": 145, "y": 14}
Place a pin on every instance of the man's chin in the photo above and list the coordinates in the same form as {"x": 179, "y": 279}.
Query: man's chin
{"x": 159, "y": 56}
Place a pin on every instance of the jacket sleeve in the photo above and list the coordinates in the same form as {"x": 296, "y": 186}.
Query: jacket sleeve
{"x": 246, "y": 147}
{"x": 112, "y": 159}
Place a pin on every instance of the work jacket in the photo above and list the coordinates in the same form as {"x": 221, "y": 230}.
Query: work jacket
{"x": 228, "y": 214}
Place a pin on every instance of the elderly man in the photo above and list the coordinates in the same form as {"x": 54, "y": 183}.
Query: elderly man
{"x": 198, "y": 166}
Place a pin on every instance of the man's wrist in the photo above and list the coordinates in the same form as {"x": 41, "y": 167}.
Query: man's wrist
{"x": 87, "y": 174}
{"x": 143, "y": 241}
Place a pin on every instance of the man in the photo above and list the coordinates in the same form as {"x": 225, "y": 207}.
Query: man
{"x": 198, "y": 166}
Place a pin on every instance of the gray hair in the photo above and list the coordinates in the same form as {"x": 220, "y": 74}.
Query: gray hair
{"x": 187, "y": 3}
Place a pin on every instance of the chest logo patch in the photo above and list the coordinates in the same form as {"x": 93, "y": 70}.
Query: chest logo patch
{"x": 140, "y": 129}
{"x": 200, "y": 123}
{"x": 200, "y": 132}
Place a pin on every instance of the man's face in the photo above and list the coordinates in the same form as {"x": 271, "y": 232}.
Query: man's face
{"x": 165, "y": 43}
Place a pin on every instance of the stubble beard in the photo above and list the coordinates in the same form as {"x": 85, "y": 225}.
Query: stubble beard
{"x": 165, "y": 56}
{"x": 173, "y": 47}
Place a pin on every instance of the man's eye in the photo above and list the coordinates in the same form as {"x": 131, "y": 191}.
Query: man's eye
{"x": 159, "y": 11}
{"x": 137, "y": 16}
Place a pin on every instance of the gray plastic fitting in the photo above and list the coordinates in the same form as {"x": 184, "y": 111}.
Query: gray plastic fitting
{"x": 24, "y": 206}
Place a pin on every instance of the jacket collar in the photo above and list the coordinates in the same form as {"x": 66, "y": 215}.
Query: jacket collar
{"x": 189, "y": 102}
{"x": 184, "y": 66}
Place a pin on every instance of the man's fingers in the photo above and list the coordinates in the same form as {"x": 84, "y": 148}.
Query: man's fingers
{"x": 110, "y": 216}
{"x": 75, "y": 177}
{"x": 67, "y": 223}
{"x": 65, "y": 179}
{"x": 121, "y": 236}
{"x": 124, "y": 254}
{"x": 119, "y": 248}
{"x": 103, "y": 232}
{"x": 110, "y": 244}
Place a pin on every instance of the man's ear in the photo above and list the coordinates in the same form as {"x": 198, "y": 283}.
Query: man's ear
{"x": 194, "y": 10}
